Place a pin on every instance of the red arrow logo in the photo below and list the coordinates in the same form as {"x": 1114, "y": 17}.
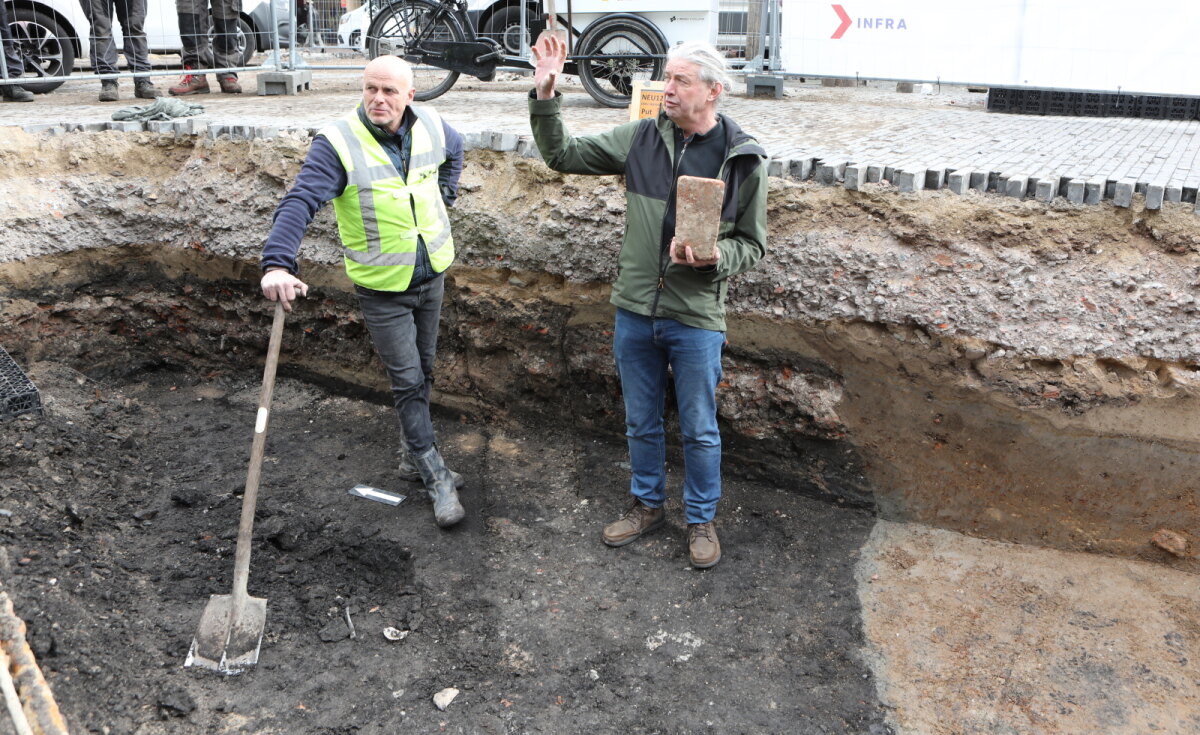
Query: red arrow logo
{"x": 845, "y": 22}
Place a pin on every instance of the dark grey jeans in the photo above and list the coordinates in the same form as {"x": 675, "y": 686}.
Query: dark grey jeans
{"x": 131, "y": 14}
{"x": 404, "y": 328}
{"x": 198, "y": 52}
{"x": 12, "y": 59}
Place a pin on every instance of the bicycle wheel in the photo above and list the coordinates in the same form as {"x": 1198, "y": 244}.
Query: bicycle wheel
{"x": 401, "y": 27}
{"x": 616, "y": 45}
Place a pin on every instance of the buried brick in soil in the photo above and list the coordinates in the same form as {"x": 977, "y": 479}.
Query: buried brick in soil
{"x": 125, "y": 497}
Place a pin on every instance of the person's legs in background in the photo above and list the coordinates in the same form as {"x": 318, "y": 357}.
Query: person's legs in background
{"x": 197, "y": 53}
{"x": 12, "y": 63}
{"x": 131, "y": 14}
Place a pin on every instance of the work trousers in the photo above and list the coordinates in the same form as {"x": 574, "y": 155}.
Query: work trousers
{"x": 198, "y": 53}
{"x": 12, "y": 58}
{"x": 404, "y": 329}
{"x": 644, "y": 349}
{"x": 131, "y": 14}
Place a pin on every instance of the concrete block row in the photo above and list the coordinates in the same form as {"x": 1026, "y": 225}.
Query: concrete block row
{"x": 909, "y": 177}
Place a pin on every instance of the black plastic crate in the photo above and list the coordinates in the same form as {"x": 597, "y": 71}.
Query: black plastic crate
{"x": 18, "y": 394}
{"x": 1152, "y": 106}
{"x": 1033, "y": 102}
{"x": 1182, "y": 108}
{"x": 1092, "y": 104}
{"x": 1120, "y": 105}
{"x": 1061, "y": 103}
{"x": 1003, "y": 100}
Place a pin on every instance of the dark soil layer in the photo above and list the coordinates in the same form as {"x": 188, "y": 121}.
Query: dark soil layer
{"x": 124, "y": 501}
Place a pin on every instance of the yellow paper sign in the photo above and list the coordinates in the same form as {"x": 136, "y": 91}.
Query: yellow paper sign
{"x": 646, "y": 100}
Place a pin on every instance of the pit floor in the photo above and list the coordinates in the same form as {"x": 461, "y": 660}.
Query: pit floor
{"x": 124, "y": 501}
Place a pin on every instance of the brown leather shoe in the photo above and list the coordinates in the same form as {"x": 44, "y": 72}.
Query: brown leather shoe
{"x": 190, "y": 83}
{"x": 638, "y": 519}
{"x": 703, "y": 545}
{"x": 229, "y": 83}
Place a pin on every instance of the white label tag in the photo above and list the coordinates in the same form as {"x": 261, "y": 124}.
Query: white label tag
{"x": 260, "y": 425}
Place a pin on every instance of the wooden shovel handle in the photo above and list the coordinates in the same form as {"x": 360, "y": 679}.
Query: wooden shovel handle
{"x": 241, "y": 564}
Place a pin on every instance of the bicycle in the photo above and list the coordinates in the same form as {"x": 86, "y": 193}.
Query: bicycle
{"x": 437, "y": 37}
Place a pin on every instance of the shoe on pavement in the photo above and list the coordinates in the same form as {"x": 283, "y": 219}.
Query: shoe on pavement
{"x": 190, "y": 83}
{"x": 229, "y": 83}
{"x": 144, "y": 89}
{"x": 703, "y": 545}
{"x": 637, "y": 520}
{"x": 108, "y": 90}
{"x": 15, "y": 93}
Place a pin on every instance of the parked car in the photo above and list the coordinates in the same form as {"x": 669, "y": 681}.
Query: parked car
{"x": 53, "y": 34}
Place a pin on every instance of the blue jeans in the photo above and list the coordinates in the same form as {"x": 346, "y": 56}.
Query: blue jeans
{"x": 644, "y": 348}
{"x": 404, "y": 328}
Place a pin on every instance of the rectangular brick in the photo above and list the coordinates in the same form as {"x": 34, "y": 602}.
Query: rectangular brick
{"x": 874, "y": 174}
{"x": 855, "y": 176}
{"x": 959, "y": 181}
{"x": 1154, "y": 196}
{"x": 979, "y": 180}
{"x": 910, "y": 180}
{"x": 1075, "y": 191}
{"x": 801, "y": 168}
{"x": 1046, "y": 189}
{"x": 1123, "y": 193}
{"x": 699, "y": 215}
{"x": 1016, "y": 186}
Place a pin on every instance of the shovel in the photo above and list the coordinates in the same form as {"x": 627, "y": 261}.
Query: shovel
{"x": 553, "y": 29}
{"x": 231, "y": 629}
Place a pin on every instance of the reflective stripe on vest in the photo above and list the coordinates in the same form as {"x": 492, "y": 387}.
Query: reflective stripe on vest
{"x": 378, "y": 196}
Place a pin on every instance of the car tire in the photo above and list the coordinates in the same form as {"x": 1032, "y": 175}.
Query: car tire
{"x": 47, "y": 49}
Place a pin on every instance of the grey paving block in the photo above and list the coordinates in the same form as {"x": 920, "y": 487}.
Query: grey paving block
{"x": 1016, "y": 186}
{"x": 830, "y": 173}
{"x": 776, "y": 167}
{"x": 1046, "y": 189}
{"x": 162, "y": 127}
{"x": 910, "y": 180}
{"x": 959, "y": 181}
{"x": 1189, "y": 194}
{"x": 1174, "y": 194}
{"x": 934, "y": 178}
{"x": 1123, "y": 192}
{"x": 1197, "y": 208}
{"x": 855, "y": 176}
{"x": 47, "y": 128}
{"x": 473, "y": 141}
{"x": 265, "y": 132}
{"x": 801, "y": 168}
{"x": 1093, "y": 191}
{"x": 979, "y": 181}
{"x": 874, "y": 174}
{"x": 123, "y": 126}
{"x": 1075, "y": 191}
{"x": 527, "y": 148}
{"x": 889, "y": 174}
{"x": 1154, "y": 196}
{"x": 100, "y": 127}
{"x": 216, "y": 130}
{"x": 196, "y": 127}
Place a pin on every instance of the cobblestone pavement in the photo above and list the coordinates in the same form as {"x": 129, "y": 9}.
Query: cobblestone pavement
{"x": 941, "y": 138}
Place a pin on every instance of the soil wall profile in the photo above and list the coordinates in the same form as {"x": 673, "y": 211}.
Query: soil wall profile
{"x": 1011, "y": 370}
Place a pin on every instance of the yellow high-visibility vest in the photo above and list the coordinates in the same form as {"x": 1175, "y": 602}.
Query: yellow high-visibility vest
{"x": 375, "y": 213}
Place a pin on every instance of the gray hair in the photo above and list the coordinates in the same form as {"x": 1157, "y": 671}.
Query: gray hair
{"x": 707, "y": 59}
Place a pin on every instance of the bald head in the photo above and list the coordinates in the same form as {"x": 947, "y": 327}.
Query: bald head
{"x": 387, "y": 90}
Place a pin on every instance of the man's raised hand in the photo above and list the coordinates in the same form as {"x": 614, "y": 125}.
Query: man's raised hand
{"x": 551, "y": 54}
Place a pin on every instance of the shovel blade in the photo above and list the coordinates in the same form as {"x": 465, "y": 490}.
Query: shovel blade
{"x": 225, "y": 649}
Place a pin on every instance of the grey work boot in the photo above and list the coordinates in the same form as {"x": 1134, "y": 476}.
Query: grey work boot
{"x": 408, "y": 471}
{"x": 108, "y": 90}
{"x": 446, "y": 508}
{"x": 15, "y": 93}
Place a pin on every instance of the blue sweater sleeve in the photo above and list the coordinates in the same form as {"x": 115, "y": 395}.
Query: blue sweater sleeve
{"x": 321, "y": 178}
{"x": 452, "y": 168}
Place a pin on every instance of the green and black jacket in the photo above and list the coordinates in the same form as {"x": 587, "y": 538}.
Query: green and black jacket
{"x": 643, "y": 151}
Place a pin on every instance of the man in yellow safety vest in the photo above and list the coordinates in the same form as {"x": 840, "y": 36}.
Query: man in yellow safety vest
{"x": 391, "y": 170}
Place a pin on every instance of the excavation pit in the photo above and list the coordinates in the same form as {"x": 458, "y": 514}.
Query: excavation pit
{"x": 129, "y": 295}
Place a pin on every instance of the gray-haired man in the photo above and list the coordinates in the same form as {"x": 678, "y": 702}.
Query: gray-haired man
{"x": 670, "y": 306}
